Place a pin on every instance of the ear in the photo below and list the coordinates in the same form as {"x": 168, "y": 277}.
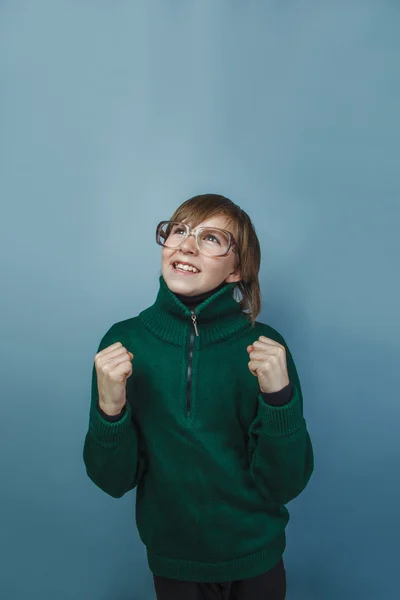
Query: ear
{"x": 233, "y": 277}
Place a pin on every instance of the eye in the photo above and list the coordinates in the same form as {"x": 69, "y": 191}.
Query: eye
{"x": 210, "y": 235}
{"x": 177, "y": 229}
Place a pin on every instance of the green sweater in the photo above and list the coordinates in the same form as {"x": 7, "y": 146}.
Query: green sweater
{"x": 213, "y": 464}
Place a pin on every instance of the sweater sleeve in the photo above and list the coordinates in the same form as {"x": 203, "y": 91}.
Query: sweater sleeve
{"x": 279, "y": 446}
{"x": 112, "y": 451}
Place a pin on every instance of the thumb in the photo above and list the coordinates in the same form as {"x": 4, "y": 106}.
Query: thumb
{"x": 130, "y": 354}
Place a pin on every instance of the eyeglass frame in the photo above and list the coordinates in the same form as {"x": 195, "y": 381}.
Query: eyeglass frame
{"x": 195, "y": 232}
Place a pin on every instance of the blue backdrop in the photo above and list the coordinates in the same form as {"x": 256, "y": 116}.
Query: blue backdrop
{"x": 111, "y": 115}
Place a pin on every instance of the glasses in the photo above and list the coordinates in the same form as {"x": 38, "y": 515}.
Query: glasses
{"x": 210, "y": 241}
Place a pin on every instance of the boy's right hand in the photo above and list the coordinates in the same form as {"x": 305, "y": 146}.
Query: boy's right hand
{"x": 113, "y": 367}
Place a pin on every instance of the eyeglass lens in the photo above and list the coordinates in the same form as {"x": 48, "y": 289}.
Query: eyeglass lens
{"x": 212, "y": 242}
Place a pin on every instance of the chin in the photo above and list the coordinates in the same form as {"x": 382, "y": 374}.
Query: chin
{"x": 178, "y": 284}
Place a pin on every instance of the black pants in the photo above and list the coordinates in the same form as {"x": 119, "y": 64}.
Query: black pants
{"x": 268, "y": 586}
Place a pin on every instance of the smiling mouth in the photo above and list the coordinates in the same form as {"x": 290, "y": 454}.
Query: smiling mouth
{"x": 184, "y": 271}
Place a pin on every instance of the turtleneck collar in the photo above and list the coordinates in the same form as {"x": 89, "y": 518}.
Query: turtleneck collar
{"x": 219, "y": 316}
{"x": 193, "y": 301}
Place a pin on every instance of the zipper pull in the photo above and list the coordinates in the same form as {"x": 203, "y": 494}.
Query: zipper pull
{"x": 194, "y": 322}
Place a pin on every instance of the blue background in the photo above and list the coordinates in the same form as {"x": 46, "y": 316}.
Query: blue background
{"x": 111, "y": 115}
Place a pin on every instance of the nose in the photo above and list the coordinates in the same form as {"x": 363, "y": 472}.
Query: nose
{"x": 189, "y": 244}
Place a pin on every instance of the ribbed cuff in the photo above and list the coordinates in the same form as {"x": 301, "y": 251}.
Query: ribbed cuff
{"x": 108, "y": 433}
{"x": 281, "y": 421}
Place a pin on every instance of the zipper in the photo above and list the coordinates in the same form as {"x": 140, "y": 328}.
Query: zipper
{"x": 189, "y": 371}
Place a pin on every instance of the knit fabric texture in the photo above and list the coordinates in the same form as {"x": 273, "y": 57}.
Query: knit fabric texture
{"x": 212, "y": 462}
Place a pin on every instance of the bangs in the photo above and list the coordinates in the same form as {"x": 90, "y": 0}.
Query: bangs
{"x": 194, "y": 215}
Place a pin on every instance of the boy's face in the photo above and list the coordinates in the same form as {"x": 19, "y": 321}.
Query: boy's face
{"x": 213, "y": 269}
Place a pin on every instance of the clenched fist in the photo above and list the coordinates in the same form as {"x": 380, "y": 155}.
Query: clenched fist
{"x": 267, "y": 362}
{"x": 113, "y": 367}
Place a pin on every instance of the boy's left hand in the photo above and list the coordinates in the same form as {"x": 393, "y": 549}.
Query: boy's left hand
{"x": 268, "y": 363}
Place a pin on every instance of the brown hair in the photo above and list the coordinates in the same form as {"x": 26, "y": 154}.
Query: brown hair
{"x": 248, "y": 253}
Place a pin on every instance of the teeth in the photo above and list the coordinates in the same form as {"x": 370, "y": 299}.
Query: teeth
{"x": 185, "y": 267}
